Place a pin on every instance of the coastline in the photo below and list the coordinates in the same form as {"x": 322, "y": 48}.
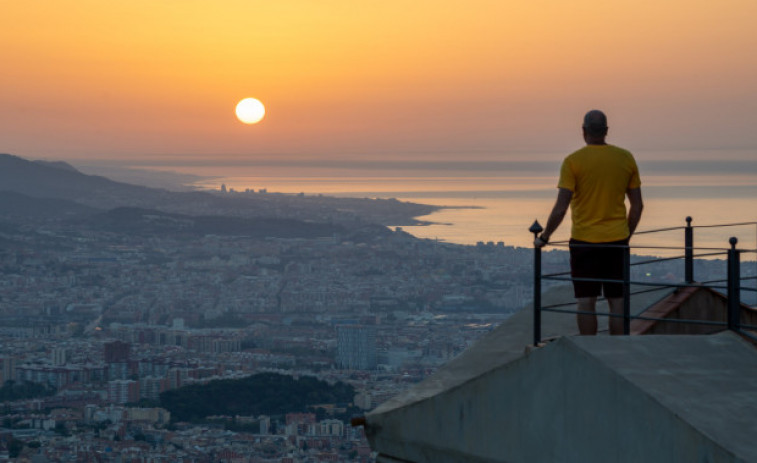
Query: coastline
{"x": 467, "y": 209}
{"x": 385, "y": 211}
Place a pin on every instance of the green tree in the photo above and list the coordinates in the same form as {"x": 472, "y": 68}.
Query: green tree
{"x": 15, "y": 447}
{"x": 267, "y": 394}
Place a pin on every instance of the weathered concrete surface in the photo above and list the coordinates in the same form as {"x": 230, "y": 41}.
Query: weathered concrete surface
{"x": 506, "y": 343}
{"x": 707, "y": 382}
{"x": 581, "y": 399}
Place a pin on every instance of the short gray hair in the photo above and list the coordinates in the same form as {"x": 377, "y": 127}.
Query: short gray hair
{"x": 595, "y": 122}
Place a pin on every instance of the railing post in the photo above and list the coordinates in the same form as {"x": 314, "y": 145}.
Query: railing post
{"x": 689, "y": 251}
{"x": 627, "y": 290}
{"x": 536, "y": 229}
{"x": 734, "y": 286}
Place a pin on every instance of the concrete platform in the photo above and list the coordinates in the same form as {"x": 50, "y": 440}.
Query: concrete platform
{"x": 578, "y": 399}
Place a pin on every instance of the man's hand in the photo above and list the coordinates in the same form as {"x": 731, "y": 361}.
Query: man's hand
{"x": 540, "y": 241}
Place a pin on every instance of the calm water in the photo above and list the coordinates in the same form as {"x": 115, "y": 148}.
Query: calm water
{"x": 498, "y": 201}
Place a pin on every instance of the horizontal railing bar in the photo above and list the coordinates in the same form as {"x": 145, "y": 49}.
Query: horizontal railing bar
{"x": 584, "y": 312}
{"x": 668, "y": 248}
{"x": 595, "y": 280}
{"x": 601, "y": 298}
{"x": 707, "y": 254}
{"x": 656, "y": 285}
{"x": 684, "y": 321}
{"x": 554, "y": 306}
{"x": 621, "y": 246}
{"x": 549, "y": 275}
{"x": 651, "y": 261}
{"x": 643, "y": 232}
{"x": 654, "y": 261}
{"x": 722, "y": 250}
{"x": 639, "y": 283}
{"x": 644, "y": 291}
{"x": 658, "y": 230}
{"x": 724, "y": 225}
{"x": 706, "y": 284}
{"x": 640, "y": 317}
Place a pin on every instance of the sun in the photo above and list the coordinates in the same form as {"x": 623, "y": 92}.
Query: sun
{"x": 250, "y": 111}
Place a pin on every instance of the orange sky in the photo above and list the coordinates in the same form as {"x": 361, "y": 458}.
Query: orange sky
{"x": 93, "y": 79}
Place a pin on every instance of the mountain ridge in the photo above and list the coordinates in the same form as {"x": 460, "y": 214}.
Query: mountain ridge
{"x": 60, "y": 181}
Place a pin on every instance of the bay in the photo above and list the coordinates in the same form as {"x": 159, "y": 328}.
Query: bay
{"x": 497, "y": 201}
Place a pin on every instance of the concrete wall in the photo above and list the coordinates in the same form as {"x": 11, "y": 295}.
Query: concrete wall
{"x": 558, "y": 404}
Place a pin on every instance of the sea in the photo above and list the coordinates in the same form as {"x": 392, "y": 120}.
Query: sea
{"x": 497, "y": 198}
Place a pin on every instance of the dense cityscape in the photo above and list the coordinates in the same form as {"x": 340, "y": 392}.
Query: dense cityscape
{"x": 103, "y": 317}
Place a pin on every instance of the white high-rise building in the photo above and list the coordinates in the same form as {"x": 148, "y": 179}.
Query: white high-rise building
{"x": 59, "y": 356}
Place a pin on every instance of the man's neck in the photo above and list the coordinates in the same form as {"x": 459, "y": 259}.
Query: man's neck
{"x": 595, "y": 141}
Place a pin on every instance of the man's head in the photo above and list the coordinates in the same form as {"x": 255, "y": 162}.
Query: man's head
{"x": 595, "y": 124}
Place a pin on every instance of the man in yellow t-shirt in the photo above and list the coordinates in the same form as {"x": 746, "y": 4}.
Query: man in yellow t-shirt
{"x": 594, "y": 182}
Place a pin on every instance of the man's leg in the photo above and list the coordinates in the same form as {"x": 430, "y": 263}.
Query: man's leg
{"x": 616, "y": 308}
{"x": 587, "y": 323}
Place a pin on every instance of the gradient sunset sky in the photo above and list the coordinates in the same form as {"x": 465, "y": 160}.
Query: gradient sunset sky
{"x": 94, "y": 79}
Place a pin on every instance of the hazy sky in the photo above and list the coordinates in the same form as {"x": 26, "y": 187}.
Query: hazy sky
{"x": 358, "y": 78}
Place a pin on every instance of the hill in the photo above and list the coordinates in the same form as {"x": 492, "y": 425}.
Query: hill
{"x": 58, "y": 165}
{"x": 52, "y": 180}
{"x": 61, "y": 181}
{"x": 18, "y": 206}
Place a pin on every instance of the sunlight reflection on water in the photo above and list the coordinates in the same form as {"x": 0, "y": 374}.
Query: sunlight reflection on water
{"x": 506, "y": 200}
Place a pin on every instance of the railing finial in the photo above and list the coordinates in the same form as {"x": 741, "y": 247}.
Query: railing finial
{"x": 733, "y": 240}
{"x": 536, "y": 228}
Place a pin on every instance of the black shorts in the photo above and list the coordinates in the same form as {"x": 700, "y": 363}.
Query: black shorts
{"x": 600, "y": 261}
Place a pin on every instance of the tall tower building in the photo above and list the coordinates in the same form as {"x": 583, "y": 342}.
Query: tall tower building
{"x": 116, "y": 351}
{"x": 7, "y": 369}
{"x": 116, "y": 355}
{"x": 356, "y": 347}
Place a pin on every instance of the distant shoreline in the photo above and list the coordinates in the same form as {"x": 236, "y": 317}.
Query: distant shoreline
{"x": 497, "y": 203}
{"x": 182, "y": 182}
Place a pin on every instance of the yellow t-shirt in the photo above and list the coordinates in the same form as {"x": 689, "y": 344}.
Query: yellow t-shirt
{"x": 599, "y": 176}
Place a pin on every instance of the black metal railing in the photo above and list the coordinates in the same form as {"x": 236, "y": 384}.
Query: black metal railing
{"x": 732, "y": 287}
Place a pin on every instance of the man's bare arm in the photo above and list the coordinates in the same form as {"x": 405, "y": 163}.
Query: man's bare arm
{"x": 634, "y": 212}
{"x": 556, "y": 216}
